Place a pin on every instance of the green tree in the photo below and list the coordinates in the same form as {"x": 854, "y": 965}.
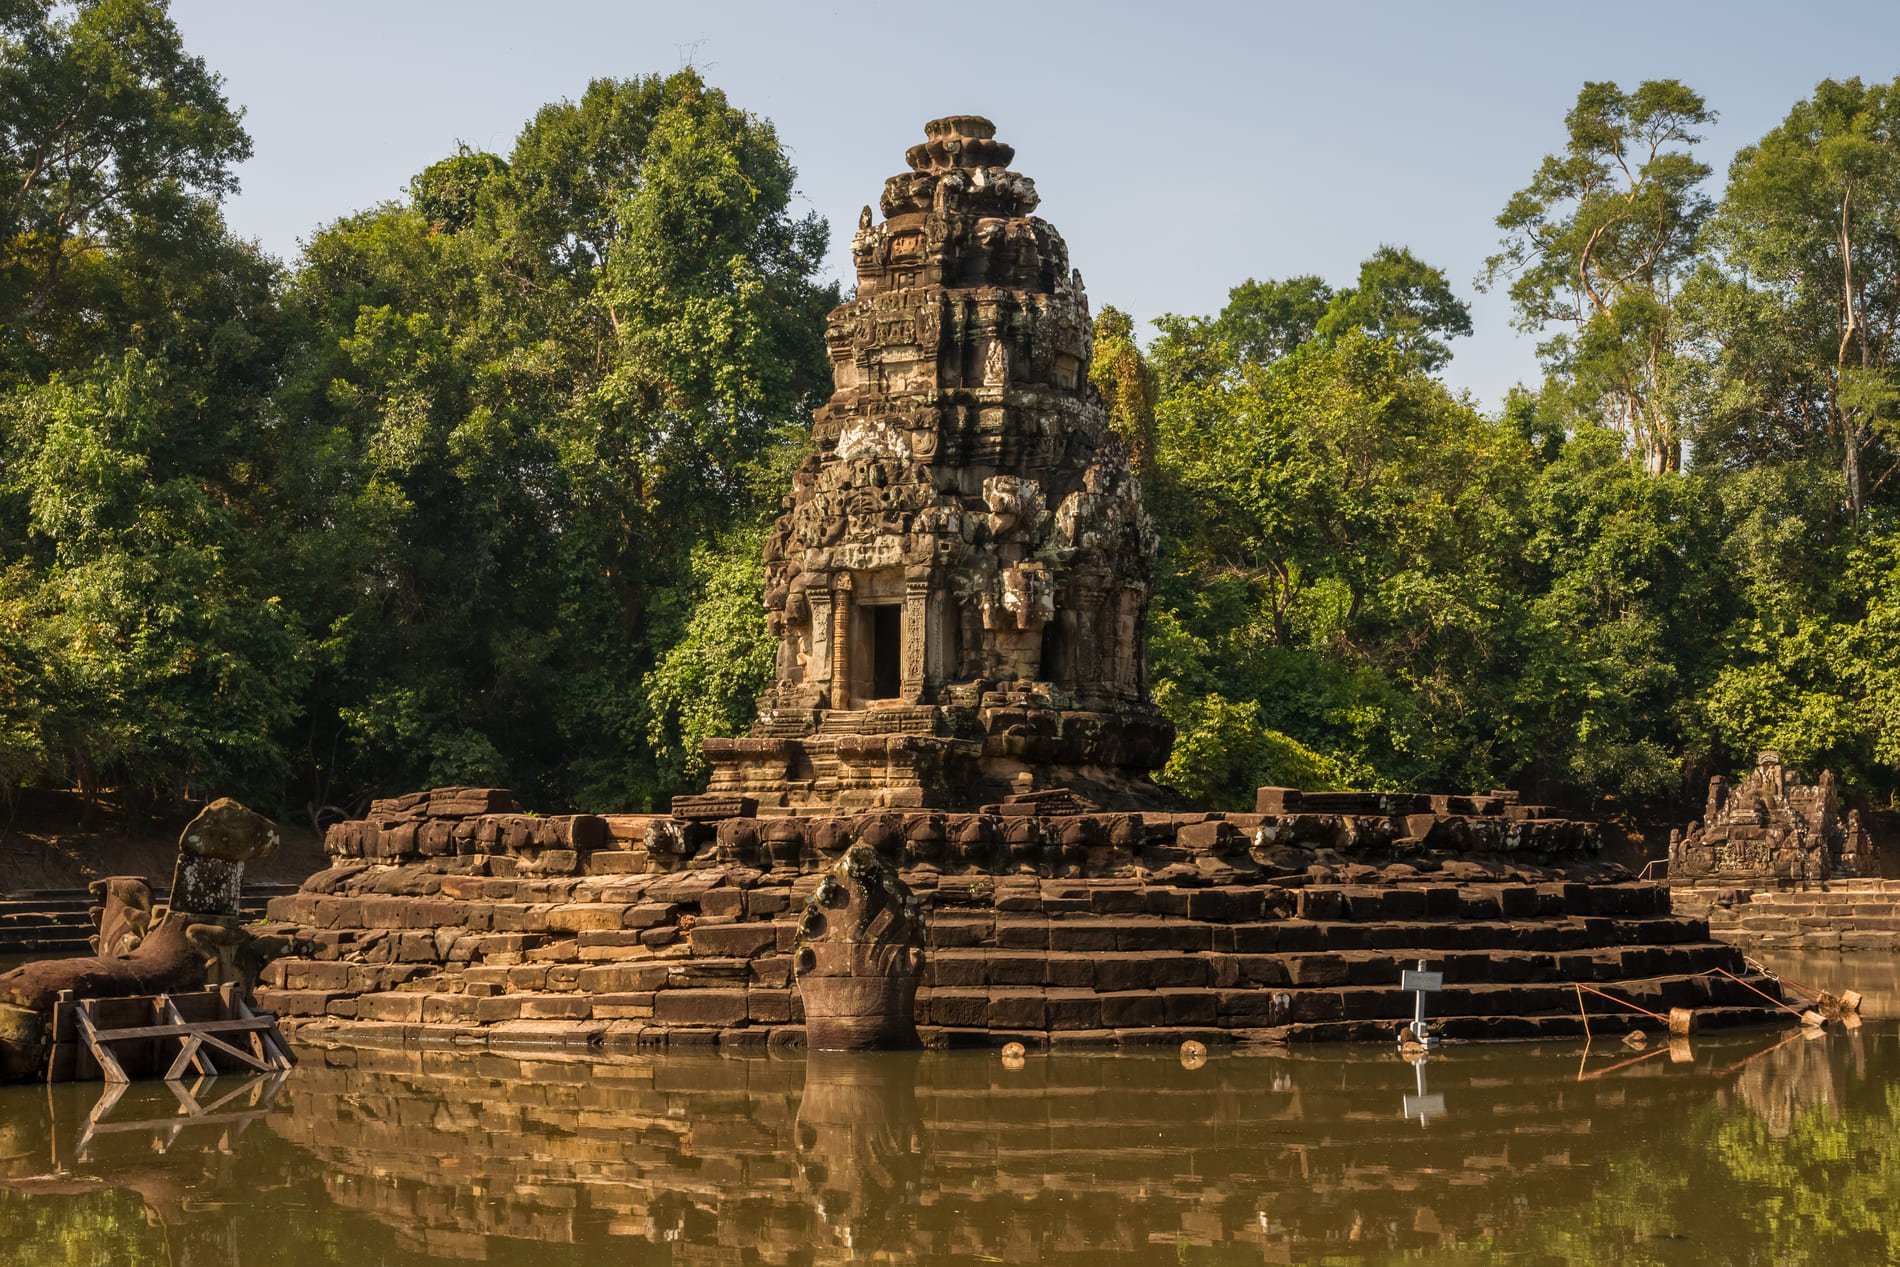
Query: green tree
{"x": 549, "y": 381}
{"x": 1807, "y": 306}
{"x": 1264, "y": 321}
{"x": 1600, "y": 242}
{"x": 1622, "y": 605}
{"x": 171, "y": 665}
{"x": 1400, "y": 298}
{"x": 1339, "y": 542}
{"x": 1126, "y": 381}
{"x": 151, "y": 647}
{"x": 115, "y": 144}
{"x": 719, "y": 663}
{"x": 1397, "y": 297}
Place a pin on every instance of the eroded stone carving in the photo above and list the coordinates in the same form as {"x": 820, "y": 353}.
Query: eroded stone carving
{"x": 1771, "y": 826}
{"x": 124, "y": 915}
{"x": 212, "y": 852}
{"x": 859, "y": 953}
{"x": 967, "y": 502}
{"x": 198, "y": 940}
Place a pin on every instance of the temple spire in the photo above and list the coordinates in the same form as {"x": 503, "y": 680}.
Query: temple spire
{"x": 959, "y": 584}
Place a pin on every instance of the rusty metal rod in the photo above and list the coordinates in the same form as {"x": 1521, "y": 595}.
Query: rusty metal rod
{"x": 1785, "y": 979}
{"x": 1624, "y": 1002}
{"x": 1794, "y": 1012}
{"x": 1622, "y": 1064}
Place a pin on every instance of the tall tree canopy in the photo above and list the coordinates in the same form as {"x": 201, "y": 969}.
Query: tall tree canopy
{"x": 432, "y": 507}
{"x": 475, "y": 490}
{"x": 547, "y": 380}
{"x": 1396, "y": 297}
{"x": 1803, "y": 297}
{"x": 1600, "y": 241}
{"x": 115, "y": 145}
{"x": 137, "y": 353}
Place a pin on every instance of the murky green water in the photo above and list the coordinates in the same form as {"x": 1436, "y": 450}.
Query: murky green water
{"x": 1767, "y": 1148}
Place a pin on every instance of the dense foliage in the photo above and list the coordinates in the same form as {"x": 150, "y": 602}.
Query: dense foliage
{"x": 473, "y": 491}
{"x": 1368, "y": 581}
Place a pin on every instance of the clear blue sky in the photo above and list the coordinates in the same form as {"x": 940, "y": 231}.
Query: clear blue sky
{"x": 1180, "y": 147}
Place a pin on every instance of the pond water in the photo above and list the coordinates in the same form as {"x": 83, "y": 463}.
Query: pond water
{"x": 1759, "y": 1148}
{"x": 1877, "y": 977}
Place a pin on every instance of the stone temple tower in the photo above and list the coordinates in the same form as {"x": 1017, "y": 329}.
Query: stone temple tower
{"x": 959, "y": 580}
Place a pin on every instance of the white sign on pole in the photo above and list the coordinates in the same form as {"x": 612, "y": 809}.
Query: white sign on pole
{"x": 1421, "y": 983}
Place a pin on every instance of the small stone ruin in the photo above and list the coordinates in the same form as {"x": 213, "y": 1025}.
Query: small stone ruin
{"x": 1773, "y": 827}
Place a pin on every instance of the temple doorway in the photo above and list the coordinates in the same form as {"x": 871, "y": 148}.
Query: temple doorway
{"x": 884, "y": 631}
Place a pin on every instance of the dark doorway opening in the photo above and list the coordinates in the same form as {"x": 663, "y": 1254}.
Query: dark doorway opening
{"x": 887, "y": 647}
{"x": 1052, "y": 669}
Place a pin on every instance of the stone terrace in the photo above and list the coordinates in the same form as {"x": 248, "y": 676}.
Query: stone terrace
{"x": 1047, "y": 929}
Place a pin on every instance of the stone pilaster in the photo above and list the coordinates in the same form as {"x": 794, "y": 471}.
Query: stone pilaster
{"x": 916, "y": 637}
{"x": 841, "y": 641}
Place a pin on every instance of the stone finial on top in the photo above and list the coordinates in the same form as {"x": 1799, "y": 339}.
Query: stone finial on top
{"x": 959, "y": 140}
{"x": 960, "y": 167}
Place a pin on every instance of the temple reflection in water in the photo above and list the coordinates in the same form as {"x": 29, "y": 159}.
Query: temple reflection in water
{"x": 439, "y": 1156}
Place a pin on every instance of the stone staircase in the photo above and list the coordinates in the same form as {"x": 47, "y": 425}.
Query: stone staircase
{"x": 1859, "y": 914}
{"x": 703, "y": 956}
{"x": 55, "y": 921}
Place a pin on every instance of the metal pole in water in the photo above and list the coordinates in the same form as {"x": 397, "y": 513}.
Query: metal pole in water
{"x": 1420, "y": 983}
{"x": 1418, "y": 1010}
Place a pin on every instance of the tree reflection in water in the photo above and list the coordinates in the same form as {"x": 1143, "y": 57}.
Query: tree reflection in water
{"x": 1774, "y": 1148}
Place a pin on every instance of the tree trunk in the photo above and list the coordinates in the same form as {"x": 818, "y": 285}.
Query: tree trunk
{"x": 1850, "y": 331}
{"x": 1850, "y": 466}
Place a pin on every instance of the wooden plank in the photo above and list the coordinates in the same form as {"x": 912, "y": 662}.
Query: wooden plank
{"x": 63, "y": 1031}
{"x": 179, "y": 1029}
{"x": 85, "y": 1064}
{"x": 191, "y": 1047}
{"x": 234, "y": 1052}
{"x": 101, "y": 1050}
{"x": 62, "y": 1061}
{"x": 286, "y": 1059}
{"x": 63, "y": 1065}
{"x": 187, "y": 1053}
{"x": 231, "y": 1005}
{"x": 124, "y": 1012}
{"x": 201, "y": 1005}
{"x": 108, "y": 1063}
